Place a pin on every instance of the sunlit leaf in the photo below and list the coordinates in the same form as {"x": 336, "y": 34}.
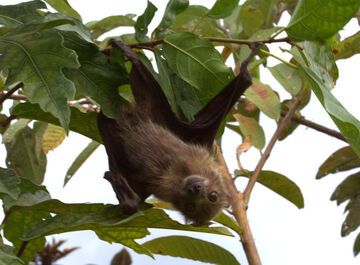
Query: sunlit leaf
{"x": 348, "y": 47}
{"x": 264, "y": 98}
{"x": 53, "y": 137}
{"x": 191, "y": 248}
{"x": 317, "y": 19}
{"x": 251, "y": 128}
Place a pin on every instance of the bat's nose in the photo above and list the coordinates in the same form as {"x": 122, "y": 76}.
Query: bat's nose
{"x": 195, "y": 188}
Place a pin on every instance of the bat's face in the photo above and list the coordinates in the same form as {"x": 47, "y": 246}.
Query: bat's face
{"x": 201, "y": 197}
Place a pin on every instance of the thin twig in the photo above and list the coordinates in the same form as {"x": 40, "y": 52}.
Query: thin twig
{"x": 14, "y": 97}
{"x": 22, "y": 248}
{"x": 222, "y": 40}
{"x": 269, "y": 147}
{"x": 319, "y": 128}
{"x": 8, "y": 94}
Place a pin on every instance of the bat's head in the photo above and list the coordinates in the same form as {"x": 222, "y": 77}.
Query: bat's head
{"x": 201, "y": 197}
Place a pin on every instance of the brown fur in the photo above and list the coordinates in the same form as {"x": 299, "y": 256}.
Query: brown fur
{"x": 164, "y": 163}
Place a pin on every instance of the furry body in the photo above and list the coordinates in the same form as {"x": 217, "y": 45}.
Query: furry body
{"x": 160, "y": 163}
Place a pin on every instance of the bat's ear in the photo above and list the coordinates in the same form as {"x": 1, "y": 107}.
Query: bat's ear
{"x": 128, "y": 198}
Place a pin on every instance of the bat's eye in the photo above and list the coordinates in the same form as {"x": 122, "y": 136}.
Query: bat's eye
{"x": 213, "y": 196}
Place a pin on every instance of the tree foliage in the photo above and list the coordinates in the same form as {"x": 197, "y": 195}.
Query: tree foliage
{"x": 57, "y": 72}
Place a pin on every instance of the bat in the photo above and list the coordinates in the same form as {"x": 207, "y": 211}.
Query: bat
{"x": 151, "y": 151}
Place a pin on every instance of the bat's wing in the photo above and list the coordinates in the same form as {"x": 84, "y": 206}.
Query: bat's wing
{"x": 128, "y": 192}
{"x": 202, "y": 130}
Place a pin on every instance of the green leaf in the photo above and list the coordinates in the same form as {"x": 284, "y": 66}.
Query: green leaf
{"x": 348, "y": 47}
{"x": 79, "y": 160}
{"x": 9, "y": 182}
{"x": 53, "y": 137}
{"x": 75, "y": 217}
{"x": 83, "y": 123}
{"x": 64, "y": 7}
{"x": 26, "y": 156}
{"x": 352, "y": 220}
{"x": 348, "y": 189}
{"x": 104, "y": 25}
{"x": 194, "y": 19}
{"x": 17, "y": 223}
{"x": 143, "y": 21}
{"x": 222, "y": 8}
{"x": 281, "y": 185}
{"x": 191, "y": 248}
{"x": 165, "y": 81}
{"x": 319, "y": 83}
{"x": 229, "y": 222}
{"x": 264, "y": 98}
{"x": 72, "y": 25}
{"x": 96, "y": 78}
{"x": 317, "y": 19}
{"x": 14, "y": 129}
{"x": 30, "y": 194}
{"x": 288, "y": 77}
{"x": 197, "y": 62}
{"x": 250, "y": 127}
{"x": 7, "y": 256}
{"x": 22, "y": 13}
{"x": 342, "y": 160}
{"x": 37, "y": 60}
{"x": 173, "y": 8}
{"x": 356, "y": 248}
{"x": 250, "y": 10}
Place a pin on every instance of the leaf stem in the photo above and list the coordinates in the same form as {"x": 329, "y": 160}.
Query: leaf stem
{"x": 270, "y": 146}
{"x": 9, "y": 93}
{"x": 278, "y": 58}
{"x": 22, "y": 248}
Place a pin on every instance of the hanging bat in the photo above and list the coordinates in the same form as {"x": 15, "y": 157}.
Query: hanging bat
{"x": 151, "y": 151}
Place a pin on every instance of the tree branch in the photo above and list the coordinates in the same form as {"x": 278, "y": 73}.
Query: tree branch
{"x": 154, "y": 43}
{"x": 318, "y": 127}
{"x": 269, "y": 147}
{"x": 239, "y": 207}
{"x": 9, "y": 93}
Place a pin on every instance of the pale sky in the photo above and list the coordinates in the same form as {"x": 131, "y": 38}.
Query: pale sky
{"x": 283, "y": 234}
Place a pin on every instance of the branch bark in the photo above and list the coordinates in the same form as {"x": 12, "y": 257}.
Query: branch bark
{"x": 319, "y": 128}
{"x": 239, "y": 207}
{"x": 9, "y": 93}
{"x": 270, "y": 146}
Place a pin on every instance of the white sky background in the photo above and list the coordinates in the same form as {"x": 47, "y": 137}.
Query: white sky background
{"x": 284, "y": 235}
